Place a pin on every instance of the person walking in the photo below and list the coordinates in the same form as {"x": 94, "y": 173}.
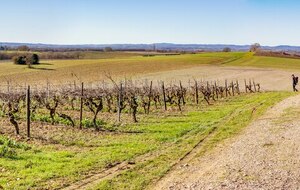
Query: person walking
{"x": 295, "y": 82}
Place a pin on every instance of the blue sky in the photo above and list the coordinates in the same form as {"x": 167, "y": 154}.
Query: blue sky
{"x": 269, "y": 22}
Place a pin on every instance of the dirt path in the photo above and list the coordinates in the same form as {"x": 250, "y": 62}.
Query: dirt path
{"x": 265, "y": 156}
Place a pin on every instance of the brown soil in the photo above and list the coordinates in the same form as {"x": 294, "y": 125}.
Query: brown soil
{"x": 270, "y": 79}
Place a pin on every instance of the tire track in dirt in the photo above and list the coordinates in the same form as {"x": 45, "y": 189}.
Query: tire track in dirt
{"x": 256, "y": 159}
{"x": 94, "y": 179}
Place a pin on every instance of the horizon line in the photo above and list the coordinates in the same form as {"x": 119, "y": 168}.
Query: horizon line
{"x": 95, "y": 44}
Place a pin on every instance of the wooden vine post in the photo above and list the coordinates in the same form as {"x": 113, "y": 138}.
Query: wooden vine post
{"x": 81, "y": 106}
{"x": 164, "y": 95}
{"x": 149, "y": 97}
{"x": 232, "y": 86}
{"x": 216, "y": 89}
{"x": 74, "y": 83}
{"x": 207, "y": 85}
{"x": 181, "y": 89}
{"x": 226, "y": 88}
{"x": 28, "y": 110}
{"x": 254, "y": 86}
{"x": 119, "y": 102}
{"x": 196, "y": 92}
{"x": 8, "y": 87}
{"x": 246, "y": 89}
{"x": 48, "y": 89}
{"x": 238, "y": 87}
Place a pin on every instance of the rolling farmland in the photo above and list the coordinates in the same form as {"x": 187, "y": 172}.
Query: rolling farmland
{"x": 211, "y": 66}
{"x": 149, "y": 95}
{"x": 160, "y": 125}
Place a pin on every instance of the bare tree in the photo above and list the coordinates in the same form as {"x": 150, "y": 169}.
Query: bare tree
{"x": 255, "y": 47}
{"x": 226, "y": 49}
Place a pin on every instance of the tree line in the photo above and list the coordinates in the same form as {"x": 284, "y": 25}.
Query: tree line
{"x": 43, "y": 55}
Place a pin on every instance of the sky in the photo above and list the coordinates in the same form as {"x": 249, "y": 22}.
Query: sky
{"x": 268, "y": 22}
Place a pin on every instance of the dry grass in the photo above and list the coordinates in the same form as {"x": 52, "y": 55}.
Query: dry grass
{"x": 273, "y": 73}
{"x": 60, "y": 71}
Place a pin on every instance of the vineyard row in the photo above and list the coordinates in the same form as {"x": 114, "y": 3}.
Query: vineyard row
{"x": 120, "y": 98}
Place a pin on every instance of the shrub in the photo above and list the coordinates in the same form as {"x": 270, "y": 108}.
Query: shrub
{"x": 35, "y": 59}
{"x": 226, "y": 49}
{"x": 107, "y": 49}
{"x": 19, "y": 60}
{"x": 32, "y": 59}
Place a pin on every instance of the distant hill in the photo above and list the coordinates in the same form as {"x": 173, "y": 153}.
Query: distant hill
{"x": 157, "y": 46}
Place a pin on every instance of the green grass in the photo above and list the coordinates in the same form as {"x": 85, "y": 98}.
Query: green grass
{"x": 75, "y": 153}
{"x": 267, "y": 62}
{"x": 8, "y": 148}
{"x": 226, "y": 120}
